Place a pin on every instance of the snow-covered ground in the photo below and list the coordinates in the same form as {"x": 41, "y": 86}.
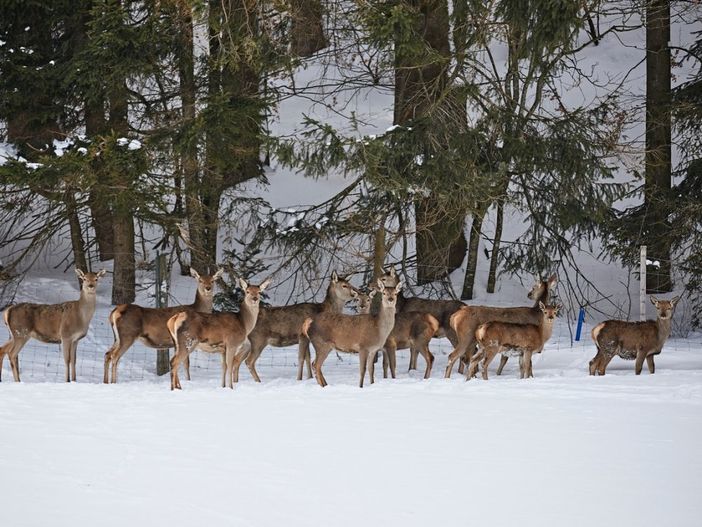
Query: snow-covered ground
{"x": 563, "y": 448}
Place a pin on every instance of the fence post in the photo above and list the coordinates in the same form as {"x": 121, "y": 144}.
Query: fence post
{"x": 163, "y": 364}
{"x": 642, "y": 284}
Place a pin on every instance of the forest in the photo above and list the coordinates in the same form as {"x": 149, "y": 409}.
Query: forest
{"x": 136, "y": 127}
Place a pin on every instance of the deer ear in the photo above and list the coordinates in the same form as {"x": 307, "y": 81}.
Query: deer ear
{"x": 243, "y": 284}
{"x": 194, "y": 273}
{"x": 381, "y": 285}
{"x": 654, "y": 300}
{"x": 542, "y": 306}
{"x": 392, "y": 272}
{"x": 218, "y": 273}
{"x": 80, "y": 273}
{"x": 265, "y": 284}
{"x": 101, "y": 273}
{"x": 335, "y": 277}
{"x": 552, "y": 281}
{"x": 675, "y": 300}
{"x": 371, "y": 294}
{"x": 399, "y": 286}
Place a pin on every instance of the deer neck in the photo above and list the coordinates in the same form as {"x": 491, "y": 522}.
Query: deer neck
{"x": 664, "y": 327}
{"x": 543, "y": 297}
{"x": 332, "y": 303}
{"x": 202, "y": 304}
{"x": 249, "y": 315}
{"x": 546, "y": 329}
{"x": 386, "y": 319}
{"x": 86, "y": 305}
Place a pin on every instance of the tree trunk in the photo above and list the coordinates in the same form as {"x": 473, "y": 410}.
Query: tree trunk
{"x": 379, "y": 250}
{"x": 123, "y": 284}
{"x": 473, "y": 245}
{"x": 307, "y": 32}
{"x": 658, "y": 140}
{"x": 76, "y": 234}
{"x": 420, "y": 87}
{"x": 494, "y": 256}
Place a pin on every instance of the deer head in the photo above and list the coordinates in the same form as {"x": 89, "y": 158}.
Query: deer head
{"x": 252, "y": 293}
{"x": 364, "y": 302}
{"x": 550, "y": 312}
{"x": 541, "y": 285}
{"x": 665, "y": 308}
{"x": 389, "y": 293}
{"x": 342, "y": 288}
{"x": 206, "y": 284}
{"x": 389, "y": 277}
{"x": 89, "y": 280}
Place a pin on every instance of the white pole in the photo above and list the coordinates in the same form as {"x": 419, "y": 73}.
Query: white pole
{"x": 642, "y": 284}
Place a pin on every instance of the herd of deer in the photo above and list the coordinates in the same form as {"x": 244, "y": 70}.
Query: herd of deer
{"x": 477, "y": 333}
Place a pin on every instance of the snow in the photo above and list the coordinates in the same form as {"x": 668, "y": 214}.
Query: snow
{"x": 563, "y": 448}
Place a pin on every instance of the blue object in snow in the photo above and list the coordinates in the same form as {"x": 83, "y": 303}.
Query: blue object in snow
{"x": 581, "y": 319}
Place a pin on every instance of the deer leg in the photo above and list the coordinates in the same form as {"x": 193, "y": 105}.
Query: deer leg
{"x": 604, "y": 361}
{"x": 595, "y": 362}
{"x": 386, "y": 363}
{"x": 254, "y": 354}
{"x": 74, "y": 349}
{"x": 303, "y": 357}
{"x": 363, "y": 361}
{"x": 66, "y": 347}
{"x": 428, "y": 358}
{"x": 15, "y": 346}
{"x": 459, "y": 352}
{"x": 526, "y": 365}
{"x": 503, "y": 361}
{"x": 413, "y": 358}
{"x": 321, "y": 352}
{"x": 474, "y": 362}
{"x": 489, "y": 355}
{"x": 392, "y": 357}
{"x": 649, "y": 362}
{"x": 640, "y": 356}
{"x": 115, "y": 353}
{"x": 175, "y": 381}
{"x": 186, "y": 364}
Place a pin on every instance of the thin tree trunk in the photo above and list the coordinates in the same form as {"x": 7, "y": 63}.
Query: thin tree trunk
{"x": 494, "y": 256}
{"x": 473, "y": 245}
{"x": 124, "y": 270}
{"x": 379, "y": 249}
{"x": 658, "y": 140}
{"x": 77, "y": 243}
{"x": 307, "y": 32}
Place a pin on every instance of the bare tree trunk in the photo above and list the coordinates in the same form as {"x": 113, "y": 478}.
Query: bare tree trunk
{"x": 77, "y": 243}
{"x": 307, "y": 32}
{"x": 473, "y": 245}
{"x": 658, "y": 140}
{"x": 379, "y": 249}
{"x": 495, "y": 255}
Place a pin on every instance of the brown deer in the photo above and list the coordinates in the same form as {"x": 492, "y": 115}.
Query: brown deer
{"x": 523, "y": 339}
{"x": 282, "y": 325}
{"x": 148, "y": 324}
{"x": 441, "y": 310}
{"x": 64, "y": 323}
{"x": 411, "y": 330}
{"x": 224, "y": 333}
{"x": 362, "y": 334}
{"x": 467, "y": 319}
{"x": 633, "y": 340}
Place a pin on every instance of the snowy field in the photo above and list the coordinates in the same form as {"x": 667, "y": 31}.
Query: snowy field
{"x": 560, "y": 449}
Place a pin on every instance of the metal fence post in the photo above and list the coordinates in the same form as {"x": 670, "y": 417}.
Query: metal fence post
{"x": 642, "y": 284}
{"x": 163, "y": 364}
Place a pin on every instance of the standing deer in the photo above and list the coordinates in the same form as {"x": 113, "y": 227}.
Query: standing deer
{"x": 467, "y": 319}
{"x": 441, "y": 310}
{"x": 362, "y": 334}
{"x": 224, "y": 333}
{"x": 523, "y": 339}
{"x": 64, "y": 323}
{"x": 633, "y": 340}
{"x": 282, "y": 325}
{"x": 148, "y": 324}
{"x": 411, "y": 330}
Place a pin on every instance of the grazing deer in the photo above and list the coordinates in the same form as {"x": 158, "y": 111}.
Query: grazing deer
{"x": 441, "y": 310}
{"x": 633, "y": 340}
{"x": 467, "y": 319}
{"x": 148, "y": 324}
{"x": 523, "y": 339}
{"x": 282, "y": 325}
{"x": 224, "y": 333}
{"x": 411, "y": 330}
{"x": 362, "y": 334}
{"x": 65, "y": 323}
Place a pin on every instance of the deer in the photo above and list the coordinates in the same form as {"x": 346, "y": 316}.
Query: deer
{"x": 441, "y": 310}
{"x": 466, "y": 320}
{"x": 633, "y": 340}
{"x": 224, "y": 333}
{"x": 64, "y": 324}
{"x": 363, "y": 334}
{"x": 148, "y": 324}
{"x": 282, "y": 325}
{"x": 411, "y": 330}
{"x": 523, "y": 339}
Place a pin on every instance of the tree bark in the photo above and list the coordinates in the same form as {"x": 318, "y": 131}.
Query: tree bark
{"x": 472, "y": 264}
{"x": 658, "y": 141}
{"x": 419, "y": 88}
{"x": 495, "y": 255}
{"x": 307, "y": 32}
{"x": 77, "y": 242}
